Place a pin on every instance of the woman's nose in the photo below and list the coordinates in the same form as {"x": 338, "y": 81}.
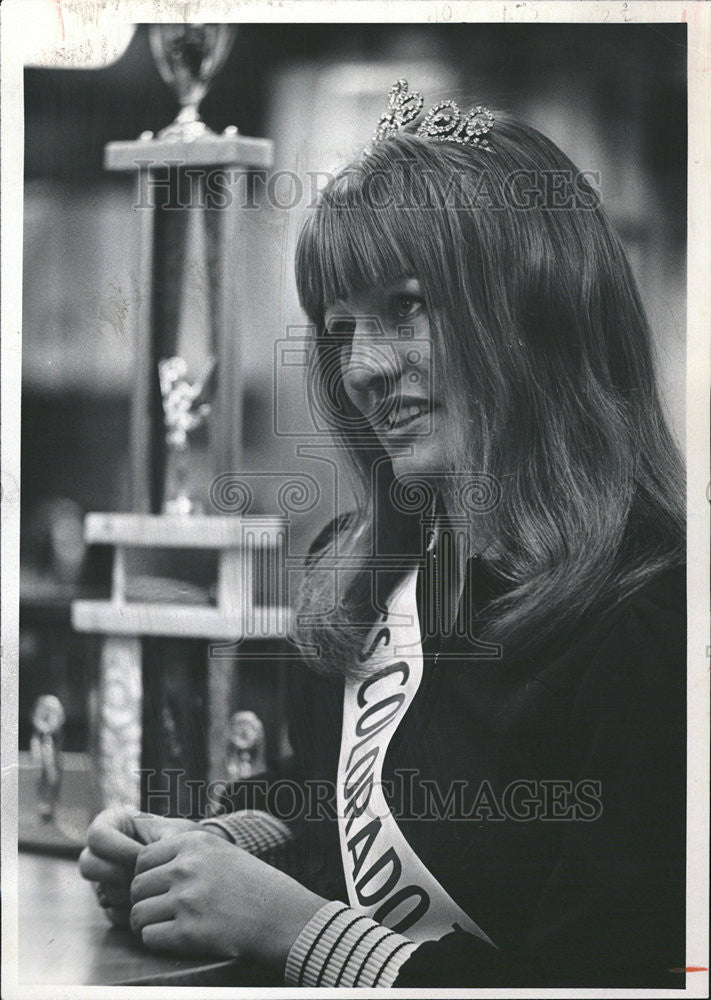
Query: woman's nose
{"x": 371, "y": 365}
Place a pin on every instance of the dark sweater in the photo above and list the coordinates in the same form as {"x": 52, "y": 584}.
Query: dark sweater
{"x": 548, "y": 799}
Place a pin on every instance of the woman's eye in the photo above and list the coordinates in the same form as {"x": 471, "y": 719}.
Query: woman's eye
{"x": 407, "y": 305}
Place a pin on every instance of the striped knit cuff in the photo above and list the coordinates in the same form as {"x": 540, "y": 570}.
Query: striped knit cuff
{"x": 341, "y": 947}
{"x": 253, "y": 830}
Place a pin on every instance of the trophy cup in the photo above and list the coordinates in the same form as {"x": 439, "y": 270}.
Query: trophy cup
{"x": 188, "y": 57}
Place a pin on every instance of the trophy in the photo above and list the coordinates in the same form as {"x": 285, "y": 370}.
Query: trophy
{"x": 46, "y": 751}
{"x": 183, "y": 412}
{"x": 246, "y": 750}
{"x": 188, "y": 57}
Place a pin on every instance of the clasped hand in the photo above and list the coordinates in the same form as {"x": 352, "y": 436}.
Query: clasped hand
{"x": 184, "y": 889}
{"x": 196, "y": 893}
{"x": 113, "y": 841}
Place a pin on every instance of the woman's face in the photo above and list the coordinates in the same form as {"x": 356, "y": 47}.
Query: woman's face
{"x": 388, "y": 368}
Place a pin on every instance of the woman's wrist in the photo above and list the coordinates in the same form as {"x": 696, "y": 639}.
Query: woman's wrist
{"x": 217, "y": 830}
{"x": 251, "y": 829}
{"x": 342, "y": 947}
{"x": 298, "y": 910}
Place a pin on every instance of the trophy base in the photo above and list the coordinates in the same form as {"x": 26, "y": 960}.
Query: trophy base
{"x": 182, "y": 505}
{"x": 227, "y": 148}
{"x": 186, "y": 131}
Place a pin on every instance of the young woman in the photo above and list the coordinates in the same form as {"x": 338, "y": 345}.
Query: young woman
{"x": 490, "y": 720}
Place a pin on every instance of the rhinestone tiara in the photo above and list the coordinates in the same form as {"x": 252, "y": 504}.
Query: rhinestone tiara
{"x": 444, "y": 122}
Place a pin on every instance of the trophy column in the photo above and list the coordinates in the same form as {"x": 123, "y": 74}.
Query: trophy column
{"x": 188, "y": 200}
{"x": 185, "y": 430}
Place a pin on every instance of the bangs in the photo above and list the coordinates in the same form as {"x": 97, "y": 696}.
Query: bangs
{"x": 358, "y": 237}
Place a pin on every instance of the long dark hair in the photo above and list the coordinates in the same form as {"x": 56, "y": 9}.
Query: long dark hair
{"x": 546, "y": 351}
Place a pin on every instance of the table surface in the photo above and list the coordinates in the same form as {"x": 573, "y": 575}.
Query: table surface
{"x": 66, "y": 938}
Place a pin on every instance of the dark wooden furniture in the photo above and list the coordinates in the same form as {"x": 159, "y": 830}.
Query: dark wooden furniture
{"x": 64, "y": 938}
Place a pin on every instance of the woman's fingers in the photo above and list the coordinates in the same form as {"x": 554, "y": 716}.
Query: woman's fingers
{"x": 158, "y": 853}
{"x": 112, "y": 882}
{"x": 154, "y": 882}
{"x": 110, "y": 896}
{"x": 111, "y": 836}
{"x": 119, "y": 916}
{"x": 149, "y": 828}
{"x": 155, "y": 910}
{"x": 97, "y": 869}
{"x": 161, "y": 937}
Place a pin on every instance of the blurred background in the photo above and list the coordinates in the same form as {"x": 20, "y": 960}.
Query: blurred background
{"x": 612, "y": 96}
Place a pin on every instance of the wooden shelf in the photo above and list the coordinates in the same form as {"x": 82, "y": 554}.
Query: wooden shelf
{"x": 182, "y": 621}
{"x": 235, "y": 539}
{"x": 175, "y": 531}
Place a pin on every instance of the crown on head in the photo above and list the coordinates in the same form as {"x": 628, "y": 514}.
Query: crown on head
{"x": 444, "y": 122}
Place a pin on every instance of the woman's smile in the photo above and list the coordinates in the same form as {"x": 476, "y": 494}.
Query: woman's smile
{"x": 405, "y": 414}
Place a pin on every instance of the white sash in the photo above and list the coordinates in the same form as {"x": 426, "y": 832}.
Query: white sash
{"x": 385, "y": 878}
